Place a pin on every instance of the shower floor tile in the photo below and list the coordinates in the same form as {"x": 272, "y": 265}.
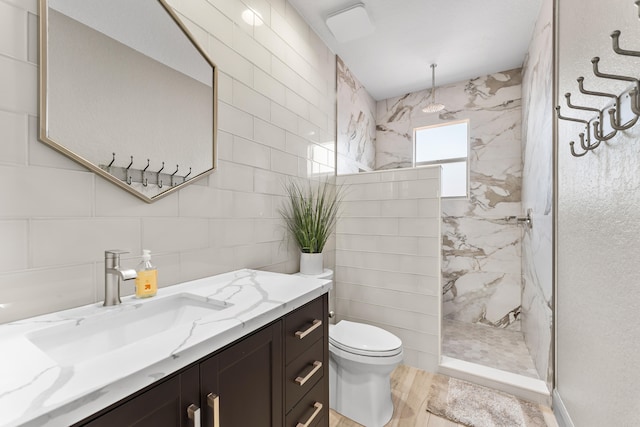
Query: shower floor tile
{"x": 494, "y": 347}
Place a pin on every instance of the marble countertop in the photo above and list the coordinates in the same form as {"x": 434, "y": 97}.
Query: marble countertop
{"x": 36, "y": 390}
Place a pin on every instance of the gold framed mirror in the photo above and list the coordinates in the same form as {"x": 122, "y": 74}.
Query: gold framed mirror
{"x": 126, "y": 91}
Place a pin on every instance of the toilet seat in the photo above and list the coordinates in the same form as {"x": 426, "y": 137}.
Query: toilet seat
{"x": 364, "y": 340}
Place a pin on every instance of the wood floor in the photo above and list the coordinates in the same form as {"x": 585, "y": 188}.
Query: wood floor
{"x": 409, "y": 388}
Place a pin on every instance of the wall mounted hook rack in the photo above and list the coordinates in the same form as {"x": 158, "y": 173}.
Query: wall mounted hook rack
{"x": 589, "y": 140}
{"x": 130, "y": 174}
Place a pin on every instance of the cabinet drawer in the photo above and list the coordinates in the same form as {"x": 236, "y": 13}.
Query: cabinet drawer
{"x": 303, "y": 373}
{"x": 303, "y": 327}
{"x": 312, "y": 409}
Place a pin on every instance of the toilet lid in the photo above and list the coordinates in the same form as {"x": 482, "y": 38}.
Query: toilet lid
{"x": 367, "y": 340}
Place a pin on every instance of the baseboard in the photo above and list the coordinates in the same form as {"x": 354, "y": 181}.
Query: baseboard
{"x": 530, "y": 389}
{"x": 560, "y": 411}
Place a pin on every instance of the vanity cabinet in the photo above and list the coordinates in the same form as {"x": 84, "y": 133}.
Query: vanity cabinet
{"x": 160, "y": 405}
{"x": 276, "y": 376}
{"x": 307, "y": 365}
{"x": 242, "y": 385}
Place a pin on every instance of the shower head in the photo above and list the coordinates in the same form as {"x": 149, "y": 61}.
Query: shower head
{"x": 433, "y": 107}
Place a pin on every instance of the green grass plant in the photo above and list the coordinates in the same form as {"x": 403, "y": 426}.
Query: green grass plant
{"x": 311, "y": 212}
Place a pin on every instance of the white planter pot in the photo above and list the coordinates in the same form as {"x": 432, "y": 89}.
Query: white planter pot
{"x": 311, "y": 264}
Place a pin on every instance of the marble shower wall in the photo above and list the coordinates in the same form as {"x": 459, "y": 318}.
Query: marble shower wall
{"x": 481, "y": 250}
{"x": 356, "y": 123}
{"x": 537, "y": 187}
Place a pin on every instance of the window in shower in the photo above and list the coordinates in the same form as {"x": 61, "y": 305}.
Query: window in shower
{"x": 446, "y": 145}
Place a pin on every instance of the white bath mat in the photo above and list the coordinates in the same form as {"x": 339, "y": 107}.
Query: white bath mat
{"x": 478, "y": 406}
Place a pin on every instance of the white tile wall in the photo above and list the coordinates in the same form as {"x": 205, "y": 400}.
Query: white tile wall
{"x": 13, "y": 31}
{"x": 18, "y": 91}
{"x": 268, "y": 134}
{"x": 36, "y": 191}
{"x": 247, "y": 99}
{"x": 276, "y": 85}
{"x": 234, "y": 176}
{"x": 388, "y": 258}
{"x": 269, "y": 87}
{"x": 30, "y": 292}
{"x": 13, "y": 245}
{"x": 14, "y": 126}
{"x": 252, "y": 153}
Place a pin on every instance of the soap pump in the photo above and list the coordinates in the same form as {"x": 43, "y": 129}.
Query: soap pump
{"x": 147, "y": 280}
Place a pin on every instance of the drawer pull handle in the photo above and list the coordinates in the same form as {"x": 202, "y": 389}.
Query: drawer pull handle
{"x": 316, "y": 366}
{"x": 193, "y": 412}
{"x": 313, "y": 416}
{"x": 315, "y": 325}
{"x": 213, "y": 400}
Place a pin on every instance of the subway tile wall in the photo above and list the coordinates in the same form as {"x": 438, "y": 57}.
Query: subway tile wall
{"x": 388, "y": 257}
{"x": 276, "y": 117}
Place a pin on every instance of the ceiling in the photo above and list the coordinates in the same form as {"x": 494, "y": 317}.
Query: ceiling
{"x": 465, "y": 38}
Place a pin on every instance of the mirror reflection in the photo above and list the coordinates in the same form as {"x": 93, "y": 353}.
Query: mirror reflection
{"x": 127, "y": 93}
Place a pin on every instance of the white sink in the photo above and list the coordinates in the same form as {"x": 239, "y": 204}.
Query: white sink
{"x": 86, "y": 338}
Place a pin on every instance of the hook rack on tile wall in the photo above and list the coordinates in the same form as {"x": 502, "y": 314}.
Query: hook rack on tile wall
{"x": 130, "y": 174}
{"x": 594, "y": 127}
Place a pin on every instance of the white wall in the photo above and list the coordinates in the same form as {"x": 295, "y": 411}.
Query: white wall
{"x": 598, "y": 332}
{"x": 388, "y": 258}
{"x": 276, "y": 119}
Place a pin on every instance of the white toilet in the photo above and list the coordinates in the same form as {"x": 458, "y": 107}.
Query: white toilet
{"x": 361, "y": 359}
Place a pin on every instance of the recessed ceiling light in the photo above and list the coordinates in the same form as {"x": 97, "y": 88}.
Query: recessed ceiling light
{"x": 350, "y": 24}
{"x": 252, "y": 17}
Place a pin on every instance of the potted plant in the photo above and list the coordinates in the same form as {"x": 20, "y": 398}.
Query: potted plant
{"x": 310, "y": 214}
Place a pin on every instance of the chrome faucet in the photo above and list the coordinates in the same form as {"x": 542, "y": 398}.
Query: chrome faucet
{"x": 113, "y": 275}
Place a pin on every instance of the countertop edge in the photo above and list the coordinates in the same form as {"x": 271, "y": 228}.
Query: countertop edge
{"x": 101, "y": 398}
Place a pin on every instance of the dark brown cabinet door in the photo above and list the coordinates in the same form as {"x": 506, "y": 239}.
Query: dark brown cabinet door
{"x": 164, "y": 405}
{"x": 243, "y": 383}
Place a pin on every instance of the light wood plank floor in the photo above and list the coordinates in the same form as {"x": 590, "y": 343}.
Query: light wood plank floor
{"x": 409, "y": 389}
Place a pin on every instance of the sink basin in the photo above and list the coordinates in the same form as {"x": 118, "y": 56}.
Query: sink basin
{"x": 74, "y": 342}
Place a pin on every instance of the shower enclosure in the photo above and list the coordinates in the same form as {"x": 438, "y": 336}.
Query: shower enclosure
{"x": 497, "y": 273}
{"x": 483, "y": 314}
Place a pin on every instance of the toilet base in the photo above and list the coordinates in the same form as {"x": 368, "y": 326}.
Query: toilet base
{"x": 361, "y": 392}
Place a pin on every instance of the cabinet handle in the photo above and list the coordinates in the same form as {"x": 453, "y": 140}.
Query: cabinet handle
{"x": 316, "y": 366}
{"x": 316, "y": 324}
{"x": 213, "y": 400}
{"x": 193, "y": 412}
{"x": 313, "y": 416}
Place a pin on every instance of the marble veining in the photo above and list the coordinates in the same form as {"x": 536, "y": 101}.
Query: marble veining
{"x": 481, "y": 251}
{"x": 356, "y": 123}
{"x": 537, "y": 194}
{"x": 36, "y": 390}
{"x": 498, "y": 349}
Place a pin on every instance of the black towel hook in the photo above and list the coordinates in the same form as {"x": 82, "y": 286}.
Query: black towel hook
{"x": 158, "y": 175}
{"x": 113, "y": 159}
{"x": 128, "y": 177}
{"x": 145, "y": 182}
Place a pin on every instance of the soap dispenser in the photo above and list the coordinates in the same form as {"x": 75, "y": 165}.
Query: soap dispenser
{"x": 147, "y": 280}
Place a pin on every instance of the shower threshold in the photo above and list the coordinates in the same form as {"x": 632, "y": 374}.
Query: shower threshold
{"x": 532, "y": 389}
